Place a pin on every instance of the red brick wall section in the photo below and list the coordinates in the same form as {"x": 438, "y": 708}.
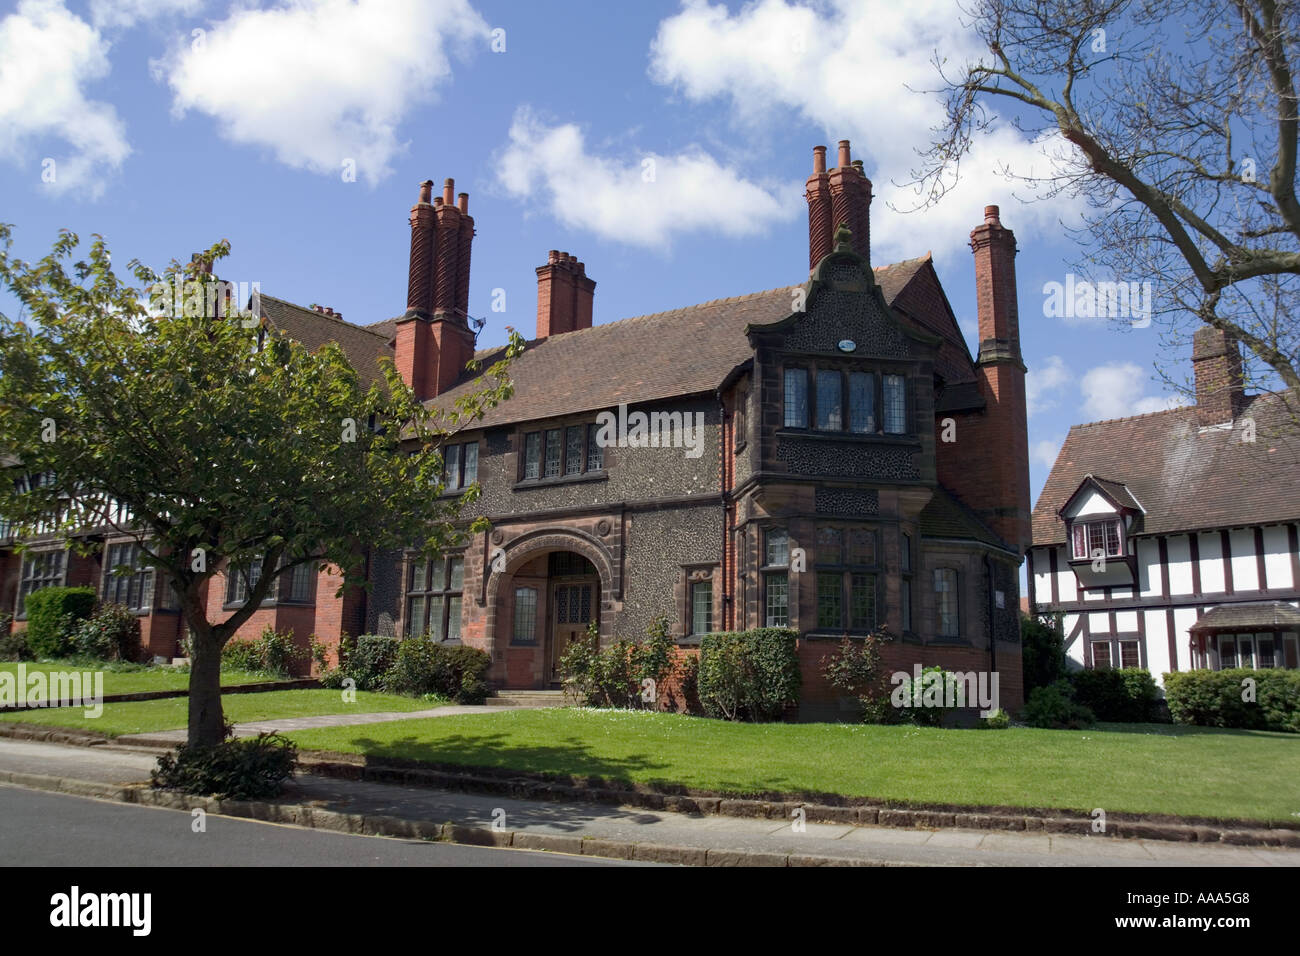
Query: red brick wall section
{"x": 1216, "y": 361}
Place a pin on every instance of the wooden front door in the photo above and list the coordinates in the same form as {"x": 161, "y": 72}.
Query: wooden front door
{"x": 573, "y": 608}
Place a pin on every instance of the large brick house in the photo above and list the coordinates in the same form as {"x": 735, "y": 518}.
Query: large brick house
{"x": 825, "y": 456}
{"x": 1171, "y": 540}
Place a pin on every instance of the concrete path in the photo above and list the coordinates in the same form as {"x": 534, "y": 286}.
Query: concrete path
{"x": 581, "y": 822}
{"x": 284, "y": 724}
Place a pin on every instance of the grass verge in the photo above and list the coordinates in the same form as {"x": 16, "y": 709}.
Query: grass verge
{"x": 147, "y": 716}
{"x": 1133, "y": 768}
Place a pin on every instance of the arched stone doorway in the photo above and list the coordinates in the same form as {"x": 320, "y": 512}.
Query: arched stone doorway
{"x": 553, "y": 586}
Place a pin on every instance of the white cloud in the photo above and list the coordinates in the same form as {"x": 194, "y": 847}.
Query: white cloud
{"x": 642, "y": 198}
{"x": 1043, "y": 382}
{"x": 125, "y": 13}
{"x": 323, "y": 82}
{"x": 1116, "y": 391}
{"x": 859, "y": 71}
{"x": 47, "y": 58}
{"x": 1044, "y": 451}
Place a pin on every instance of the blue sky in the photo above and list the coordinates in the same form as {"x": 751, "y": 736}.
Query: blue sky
{"x": 174, "y": 123}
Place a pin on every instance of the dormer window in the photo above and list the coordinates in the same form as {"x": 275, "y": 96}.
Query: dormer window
{"x": 1092, "y": 539}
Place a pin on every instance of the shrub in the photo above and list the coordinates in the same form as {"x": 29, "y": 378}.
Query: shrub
{"x": 1054, "y": 707}
{"x": 997, "y": 720}
{"x": 1125, "y": 695}
{"x": 925, "y": 702}
{"x": 272, "y": 653}
{"x": 253, "y": 768}
{"x": 371, "y": 660}
{"x": 241, "y": 656}
{"x": 467, "y": 669}
{"x": 112, "y": 633}
{"x": 423, "y": 667}
{"x": 854, "y": 668}
{"x": 279, "y": 653}
{"x": 13, "y": 647}
{"x": 1223, "y": 699}
{"x": 52, "y": 616}
{"x": 415, "y": 669}
{"x": 1042, "y": 652}
{"x": 749, "y": 675}
{"x": 617, "y": 675}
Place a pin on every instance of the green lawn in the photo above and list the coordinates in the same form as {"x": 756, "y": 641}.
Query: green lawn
{"x": 134, "y": 680}
{"x": 1141, "y": 768}
{"x": 143, "y": 716}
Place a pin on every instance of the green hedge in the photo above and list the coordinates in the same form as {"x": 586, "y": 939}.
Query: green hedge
{"x": 749, "y": 675}
{"x": 1220, "y": 698}
{"x": 423, "y": 666}
{"x": 1122, "y": 695}
{"x": 415, "y": 667}
{"x": 370, "y": 660}
{"x": 52, "y": 617}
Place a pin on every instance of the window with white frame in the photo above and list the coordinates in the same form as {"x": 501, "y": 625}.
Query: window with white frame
{"x": 1093, "y": 539}
{"x": 701, "y": 607}
{"x": 776, "y": 577}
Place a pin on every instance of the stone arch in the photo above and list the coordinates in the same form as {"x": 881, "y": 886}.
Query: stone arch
{"x": 528, "y": 546}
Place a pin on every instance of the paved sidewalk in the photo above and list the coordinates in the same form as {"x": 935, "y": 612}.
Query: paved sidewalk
{"x": 253, "y": 728}
{"x": 574, "y": 826}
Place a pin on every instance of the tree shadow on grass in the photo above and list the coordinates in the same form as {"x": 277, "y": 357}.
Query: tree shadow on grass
{"x": 568, "y": 756}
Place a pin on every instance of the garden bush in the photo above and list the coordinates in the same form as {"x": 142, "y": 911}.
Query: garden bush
{"x": 253, "y": 768}
{"x": 13, "y": 647}
{"x": 749, "y": 675}
{"x": 370, "y": 660}
{"x": 1054, "y": 707}
{"x": 1042, "y": 652}
{"x": 626, "y": 674}
{"x": 1224, "y": 699}
{"x": 997, "y": 720}
{"x": 854, "y": 668}
{"x": 1123, "y": 695}
{"x": 112, "y": 633}
{"x": 53, "y": 615}
{"x": 273, "y": 654}
{"x": 926, "y": 701}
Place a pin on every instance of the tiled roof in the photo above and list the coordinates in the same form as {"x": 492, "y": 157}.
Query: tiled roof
{"x": 1186, "y": 477}
{"x": 650, "y": 357}
{"x": 362, "y": 346}
{"x": 1249, "y": 615}
{"x": 946, "y": 517}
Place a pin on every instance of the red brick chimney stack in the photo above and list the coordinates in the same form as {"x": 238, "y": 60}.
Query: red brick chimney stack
{"x": 850, "y": 204}
{"x": 818, "y": 193}
{"x": 564, "y": 295}
{"x": 1002, "y": 499}
{"x": 1220, "y": 381}
{"x": 434, "y": 341}
{"x": 995, "y": 291}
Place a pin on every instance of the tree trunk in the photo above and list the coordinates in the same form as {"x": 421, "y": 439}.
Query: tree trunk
{"x": 207, "y": 723}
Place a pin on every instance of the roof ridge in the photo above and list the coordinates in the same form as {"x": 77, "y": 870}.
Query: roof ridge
{"x": 323, "y": 315}
{"x": 1129, "y": 418}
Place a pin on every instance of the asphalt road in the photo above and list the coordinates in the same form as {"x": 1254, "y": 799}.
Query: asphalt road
{"x": 53, "y": 829}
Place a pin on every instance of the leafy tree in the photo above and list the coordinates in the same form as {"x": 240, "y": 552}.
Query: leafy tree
{"x": 1180, "y": 123}
{"x": 1042, "y": 649}
{"x": 210, "y": 440}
